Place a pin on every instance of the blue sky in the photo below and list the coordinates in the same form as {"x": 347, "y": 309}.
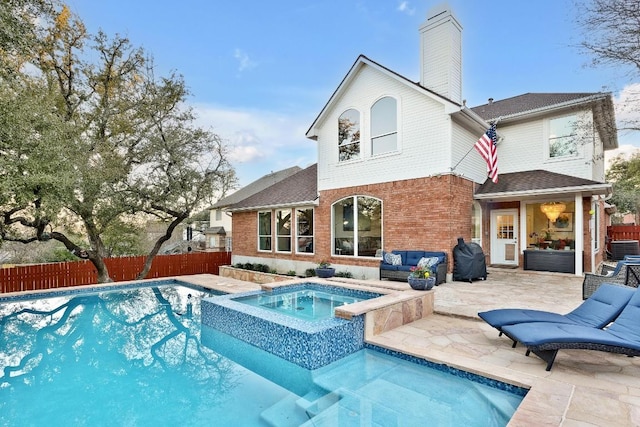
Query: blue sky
{"x": 261, "y": 71}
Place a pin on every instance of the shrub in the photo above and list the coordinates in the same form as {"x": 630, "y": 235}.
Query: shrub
{"x": 310, "y": 272}
{"x": 291, "y": 273}
{"x": 346, "y": 274}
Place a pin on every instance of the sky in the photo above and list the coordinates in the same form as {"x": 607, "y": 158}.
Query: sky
{"x": 260, "y": 72}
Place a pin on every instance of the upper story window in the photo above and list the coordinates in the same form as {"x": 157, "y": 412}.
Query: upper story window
{"x": 349, "y": 135}
{"x": 384, "y": 126}
{"x": 563, "y": 140}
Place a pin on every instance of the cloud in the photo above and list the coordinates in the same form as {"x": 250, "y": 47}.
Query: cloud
{"x": 627, "y": 109}
{"x": 404, "y": 7}
{"x": 245, "y": 63}
{"x": 259, "y": 141}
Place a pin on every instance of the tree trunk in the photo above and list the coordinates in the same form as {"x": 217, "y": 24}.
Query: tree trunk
{"x": 156, "y": 248}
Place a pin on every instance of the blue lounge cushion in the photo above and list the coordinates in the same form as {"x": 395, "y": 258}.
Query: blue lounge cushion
{"x": 597, "y": 311}
{"x": 545, "y": 339}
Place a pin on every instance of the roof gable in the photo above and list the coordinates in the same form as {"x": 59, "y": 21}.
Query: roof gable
{"x": 363, "y": 61}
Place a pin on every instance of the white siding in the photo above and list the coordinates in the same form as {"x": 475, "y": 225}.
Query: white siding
{"x": 466, "y": 160}
{"x": 424, "y": 135}
{"x": 525, "y": 147}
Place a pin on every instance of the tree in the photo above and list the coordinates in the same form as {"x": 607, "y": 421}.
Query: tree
{"x": 611, "y": 37}
{"x": 122, "y": 146}
{"x": 624, "y": 174}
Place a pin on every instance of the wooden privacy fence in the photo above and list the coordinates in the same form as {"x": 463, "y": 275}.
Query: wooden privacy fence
{"x": 66, "y": 274}
{"x": 623, "y": 232}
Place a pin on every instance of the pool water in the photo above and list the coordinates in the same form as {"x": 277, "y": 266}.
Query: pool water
{"x": 304, "y": 304}
{"x": 139, "y": 356}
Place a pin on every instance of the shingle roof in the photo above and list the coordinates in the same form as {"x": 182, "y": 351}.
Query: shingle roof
{"x": 299, "y": 188}
{"x": 532, "y": 181}
{"x": 255, "y": 187}
{"x": 528, "y": 102}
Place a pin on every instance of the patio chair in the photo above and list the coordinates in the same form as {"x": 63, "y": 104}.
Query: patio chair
{"x": 628, "y": 275}
{"x": 609, "y": 270}
{"x": 545, "y": 339}
{"x": 598, "y": 311}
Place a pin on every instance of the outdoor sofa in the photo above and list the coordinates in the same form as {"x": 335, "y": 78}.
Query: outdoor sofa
{"x": 626, "y": 273}
{"x": 408, "y": 259}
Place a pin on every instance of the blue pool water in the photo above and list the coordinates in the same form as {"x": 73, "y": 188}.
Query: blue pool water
{"x": 307, "y": 303}
{"x": 138, "y": 356}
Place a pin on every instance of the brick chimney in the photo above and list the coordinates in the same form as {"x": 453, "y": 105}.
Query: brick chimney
{"x": 441, "y": 53}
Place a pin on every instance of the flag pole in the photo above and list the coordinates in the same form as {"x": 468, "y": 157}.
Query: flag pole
{"x": 473, "y": 146}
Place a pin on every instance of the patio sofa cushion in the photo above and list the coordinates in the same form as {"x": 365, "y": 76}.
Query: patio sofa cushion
{"x": 410, "y": 259}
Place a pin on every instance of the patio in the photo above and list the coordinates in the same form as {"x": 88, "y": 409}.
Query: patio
{"x": 584, "y": 388}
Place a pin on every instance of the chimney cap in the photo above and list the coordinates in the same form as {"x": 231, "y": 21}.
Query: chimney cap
{"x": 490, "y": 101}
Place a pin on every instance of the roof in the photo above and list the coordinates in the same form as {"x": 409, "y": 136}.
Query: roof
{"x": 255, "y": 187}
{"x": 530, "y": 102}
{"x": 215, "y": 230}
{"x": 364, "y": 61}
{"x": 538, "y": 182}
{"x": 295, "y": 190}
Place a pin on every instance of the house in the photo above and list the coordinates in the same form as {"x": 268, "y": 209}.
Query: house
{"x": 397, "y": 169}
{"x": 220, "y": 225}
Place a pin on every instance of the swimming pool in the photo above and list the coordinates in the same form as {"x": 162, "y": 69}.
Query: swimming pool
{"x": 139, "y": 356}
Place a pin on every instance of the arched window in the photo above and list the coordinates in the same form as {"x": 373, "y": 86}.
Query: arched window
{"x": 384, "y": 126}
{"x": 349, "y": 135}
{"x": 357, "y": 226}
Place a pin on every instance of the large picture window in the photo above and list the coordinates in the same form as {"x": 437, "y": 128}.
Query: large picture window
{"x": 283, "y": 230}
{"x": 349, "y": 135}
{"x": 384, "y": 126}
{"x": 264, "y": 231}
{"x": 563, "y": 141}
{"x": 357, "y": 226}
{"x": 304, "y": 230}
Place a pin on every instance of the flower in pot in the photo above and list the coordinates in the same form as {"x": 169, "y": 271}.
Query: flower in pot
{"x": 325, "y": 270}
{"x": 421, "y": 278}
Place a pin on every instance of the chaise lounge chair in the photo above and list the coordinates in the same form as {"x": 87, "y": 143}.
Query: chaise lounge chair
{"x": 545, "y": 339}
{"x": 598, "y": 311}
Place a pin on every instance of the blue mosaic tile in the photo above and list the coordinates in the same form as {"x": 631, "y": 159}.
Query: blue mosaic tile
{"x": 307, "y": 344}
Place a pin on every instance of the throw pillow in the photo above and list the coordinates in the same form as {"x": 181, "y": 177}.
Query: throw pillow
{"x": 393, "y": 259}
{"x": 428, "y": 262}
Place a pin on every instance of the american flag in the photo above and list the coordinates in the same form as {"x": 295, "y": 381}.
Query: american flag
{"x": 486, "y": 146}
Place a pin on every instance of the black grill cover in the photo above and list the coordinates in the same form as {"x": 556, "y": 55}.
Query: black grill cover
{"x": 468, "y": 262}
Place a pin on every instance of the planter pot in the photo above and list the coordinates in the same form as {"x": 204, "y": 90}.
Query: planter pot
{"x": 325, "y": 273}
{"x": 421, "y": 284}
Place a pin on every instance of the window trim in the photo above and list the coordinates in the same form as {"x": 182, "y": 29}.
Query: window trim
{"x": 270, "y": 236}
{"x": 313, "y": 230}
{"x": 358, "y": 142}
{"x": 277, "y": 230}
{"x": 372, "y": 137}
{"x": 355, "y": 226}
{"x": 547, "y": 130}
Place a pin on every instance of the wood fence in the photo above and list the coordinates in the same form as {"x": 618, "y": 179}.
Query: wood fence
{"x": 66, "y": 274}
{"x": 623, "y": 232}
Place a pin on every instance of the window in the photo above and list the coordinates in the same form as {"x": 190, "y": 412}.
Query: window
{"x": 357, "y": 226}
{"x": 304, "y": 230}
{"x": 349, "y": 135}
{"x": 384, "y": 126}
{"x": 218, "y": 215}
{"x": 283, "y": 224}
{"x": 563, "y": 141}
{"x": 596, "y": 225}
{"x": 264, "y": 231}
{"x": 476, "y": 223}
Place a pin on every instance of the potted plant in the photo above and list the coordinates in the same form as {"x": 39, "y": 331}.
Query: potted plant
{"x": 421, "y": 278}
{"x": 324, "y": 270}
